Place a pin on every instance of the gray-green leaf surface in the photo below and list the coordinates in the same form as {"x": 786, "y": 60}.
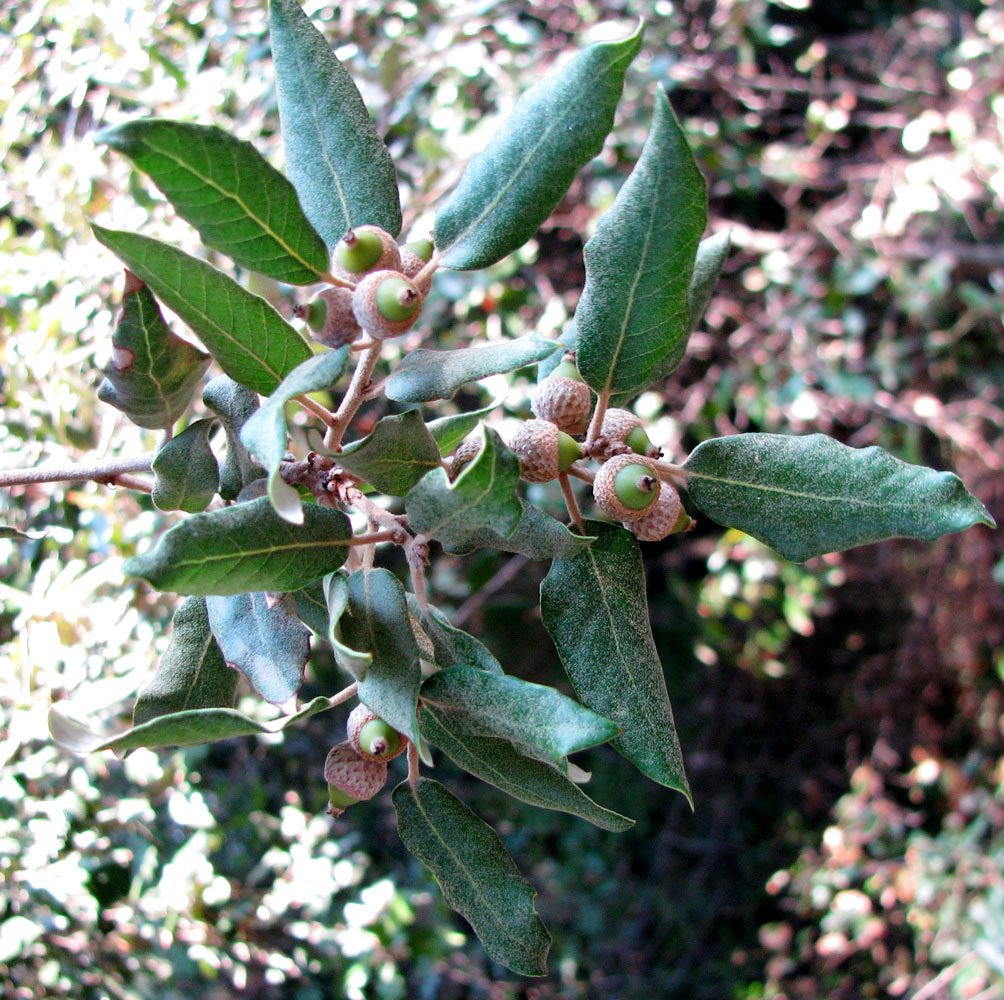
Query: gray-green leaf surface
{"x": 634, "y": 310}
{"x": 424, "y": 375}
{"x": 500, "y": 764}
{"x": 514, "y": 183}
{"x": 475, "y": 872}
{"x": 245, "y": 547}
{"x": 338, "y": 163}
{"x": 240, "y": 204}
{"x": 537, "y": 536}
{"x": 186, "y": 474}
{"x": 250, "y": 341}
{"x": 192, "y": 673}
{"x": 541, "y": 721}
{"x": 234, "y": 404}
{"x": 394, "y": 455}
{"x": 594, "y": 607}
{"x": 153, "y": 373}
{"x": 262, "y": 639}
{"x": 806, "y": 496}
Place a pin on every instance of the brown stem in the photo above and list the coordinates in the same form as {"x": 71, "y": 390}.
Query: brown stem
{"x": 427, "y": 272}
{"x": 332, "y": 279}
{"x": 129, "y": 482}
{"x": 417, "y": 553}
{"x": 356, "y": 498}
{"x": 99, "y": 471}
{"x": 670, "y": 473}
{"x": 319, "y": 411}
{"x": 372, "y": 537}
{"x": 413, "y": 768}
{"x": 353, "y": 397}
{"x": 344, "y": 695}
{"x": 596, "y": 424}
{"x": 571, "y": 503}
{"x": 581, "y": 472}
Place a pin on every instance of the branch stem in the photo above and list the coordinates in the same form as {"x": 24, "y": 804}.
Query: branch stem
{"x": 353, "y": 397}
{"x": 413, "y": 768}
{"x": 313, "y": 407}
{"x": 596, "y": 424}
{"x": 98, "y": 471}
{"x": 344, "y": 695}
{"x": 571, "y": 503}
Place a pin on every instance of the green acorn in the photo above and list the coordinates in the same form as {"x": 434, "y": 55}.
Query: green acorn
{"x": 363, "y": 249}
{"x": 370, "y": 736}
{"x": 626, "y": 487}
{"x": 351, "y": 777}
{"x": 543, "y": 451}
{"x": 331, "y": 319}
{"x": 665, "y": 517}
{"x": 386, "y": 304}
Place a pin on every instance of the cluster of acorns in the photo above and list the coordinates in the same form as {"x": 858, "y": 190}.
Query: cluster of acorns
{"x": 387, "y": 291}
{"x": 628, "y": 486}
{"x": 357, "y": 769}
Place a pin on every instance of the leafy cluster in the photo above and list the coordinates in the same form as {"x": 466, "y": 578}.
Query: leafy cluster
{"x": 270, "y": 554}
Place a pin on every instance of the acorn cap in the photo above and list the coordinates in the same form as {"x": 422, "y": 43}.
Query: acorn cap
{"x": 626, "y": 487}
{"x": 362, "y": 716}
{"x": 563, "y": 401}
{"x": 386, "y": 304}
{"x": 543, "y": 451}
{"x": 666, "y": 517}
{"x": 354, "y": 775}
{"x": 339, "y": 324}
{"x": 464, "y": 455}
{"x": 364, "y": 249}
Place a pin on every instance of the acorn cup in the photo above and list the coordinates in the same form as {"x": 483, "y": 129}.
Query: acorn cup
{"x": 330, "y": 317}
{"x": 666, "y": 517}
{"x": 626, "y": 487}
{"x": 351, "y": 777}
{"x": 544, "y": 452}
{"x": 386, "y": 304}
{"x": 371, "y": 737}
{"x": 623, "y": 430}
{"x": 364, "y": 249}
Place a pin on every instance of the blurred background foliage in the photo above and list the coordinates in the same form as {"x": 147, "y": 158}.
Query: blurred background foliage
{"x": 841, "y": 720}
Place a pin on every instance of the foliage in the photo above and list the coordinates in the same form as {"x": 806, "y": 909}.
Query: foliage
{"x": 294, "y": 425}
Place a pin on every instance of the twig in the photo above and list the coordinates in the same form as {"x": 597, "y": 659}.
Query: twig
{"x": 670, "y": 473}
{"x": 413, "y": 768}
{"x": 356, "y": 498}
{"x": 353, "y": 397}
{"x": 129, "y": 482}
{"x": 417, "y": 554}
{"x": 496, "y": 583}
{"x": 319, "y": 411}
{"x": 372, "y": 537}
{"x": 581, "y": 472}
{"x": 344, "y": 695}
{"x": 596, "y": 424}
{"x": 571, "y": 503}
{"x": 99, "y": 471}
{"x": 427, "y": 272}
{"x": 332, "y": 279}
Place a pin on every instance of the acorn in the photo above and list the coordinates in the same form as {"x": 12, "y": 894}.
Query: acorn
{"x": 543, "y": 451}
{"x": 351, "y": 777}
{"x": 626, "y": 487}
{"x": 330, "y": 317}
{"x": 414, "y": 256}
{"x": 386, "y": 304}
{"x": 370, "y": 736}
{"x": 363, "y": 249}
{"x": 464, "y": 455}
{"x": 623, "y": 429}
{"x": 665, "y": 517}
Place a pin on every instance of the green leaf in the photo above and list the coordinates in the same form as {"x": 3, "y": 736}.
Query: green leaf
{"x": 335, "y": 158}
{"x": 376, "y": 620}
{"x": 250, "y": 341}
{"x": 262, "y": 639}
{"x": 634, "y": 310}
{"x": 240, "y": 204}
{"x": 336, "y": 597}
{"x": 453, "y": 647}
{"x": 805, "y": 496}
{"x": 482, "y": 496}
{"x": 234, "y": 405}
{"x": 265, "y": 433}
{"x": 449, "y": 431}
{"x": 514, "y": 183}
{"x": 152, "y": 374}
{"x": 245, "y": 547}
{"x": 186, "y": 474}
{"x": 180, "y": 729}
{"x": 192, "y": 673}
{"x": 537, "y": 536}
{"x": 312, "y": 607}
{"x": 500, "y": 764}
{"x": 423, "y": 375}
{"x": 541, "y": 721}
{"x": 394, "y": 456}
{"x": 477, "y": 876}
{"x": 594, "y": 607}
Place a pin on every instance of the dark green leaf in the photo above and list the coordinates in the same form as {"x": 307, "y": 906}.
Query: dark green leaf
{"x": 192, "y": 673}
{"x": 180, "y": 729}
{"x": 594, "y": 607}
{"x": 424, "y": 375}
{"x": 500, "y": 764}
{"x": 453, "y": 647}
{"x": 241, "y": 205}
{"x": 538, "y": 719}
{"x": 634, "y": 310}
{"x": 477, "y": 876}
{"x": 336, "y": 596}
{"x": 245, "y": 547}
{"x": 312, "y": 608}
{"x": 152, "y": 373}
{"x": 262, "y": 639}
{"x": 234, "y": 404}
{"x": 376, "y": 621}
{"x": 537, "y": 536}
{"x": 482, "y": 496}
{"x": 449, "y": 431}
{"x": 251, "y": 342}
{"x": 335, "y": 158}
{"x": 265, "y": 433}
{"x": 806, "y": 496}
{"x": 513, "y": 185}
{"x": 394, "y": 456}
{"x": 186, "y": 475}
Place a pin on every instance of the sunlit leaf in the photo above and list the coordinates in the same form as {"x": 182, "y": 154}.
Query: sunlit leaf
{"x": 186, "y": 474}
{"x": 394, "y": 455}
